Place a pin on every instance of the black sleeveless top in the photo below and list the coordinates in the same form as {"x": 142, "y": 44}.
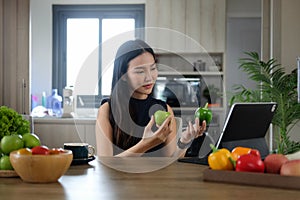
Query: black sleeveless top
{"x": 143, "y": 110}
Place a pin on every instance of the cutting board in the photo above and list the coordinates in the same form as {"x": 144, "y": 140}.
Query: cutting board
{"x": 252, "y": 178}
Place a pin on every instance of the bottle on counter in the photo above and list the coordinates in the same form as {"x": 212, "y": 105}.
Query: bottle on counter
{"x": 54, "y": 104}
{"x": 34, "y": 101}
{"x": 44, "y": 99}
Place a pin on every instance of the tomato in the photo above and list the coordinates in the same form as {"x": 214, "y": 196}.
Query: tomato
{"x": 24, "y": 151}
{"x": 42, "y": 150}
{"x": 56, "y": 151}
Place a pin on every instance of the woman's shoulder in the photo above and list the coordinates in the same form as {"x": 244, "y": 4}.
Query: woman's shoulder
{"x": 105, "y": 100}
{"x": 104, "y": 105}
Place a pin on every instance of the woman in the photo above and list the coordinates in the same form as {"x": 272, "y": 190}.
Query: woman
{"x": 125, "y": 124}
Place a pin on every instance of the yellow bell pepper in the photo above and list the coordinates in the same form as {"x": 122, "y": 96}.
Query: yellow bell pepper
{"x": 219, "y": 159}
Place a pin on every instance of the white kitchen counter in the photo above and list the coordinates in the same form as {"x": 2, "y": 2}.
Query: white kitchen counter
{"x": 55, "y": 120}
{"x": 54, "y": 132}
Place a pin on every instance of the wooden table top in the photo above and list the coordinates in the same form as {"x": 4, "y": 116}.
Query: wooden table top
{"x": 98, "y": 181}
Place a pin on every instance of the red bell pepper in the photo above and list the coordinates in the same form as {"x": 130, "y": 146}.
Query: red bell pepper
{"x": 250, "y": 163}
{"x": 255, "y": 152}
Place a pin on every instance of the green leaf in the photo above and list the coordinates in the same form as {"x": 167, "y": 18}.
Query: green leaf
{"x": 12, "y": 122}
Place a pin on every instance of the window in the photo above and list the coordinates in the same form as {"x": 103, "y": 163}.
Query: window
{"x": 78, "y": 30}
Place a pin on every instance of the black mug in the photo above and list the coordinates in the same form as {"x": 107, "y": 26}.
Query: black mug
{"x": 80, "y": 150}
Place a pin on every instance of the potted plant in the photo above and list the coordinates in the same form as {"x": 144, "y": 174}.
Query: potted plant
{"x": 273, "y": 84}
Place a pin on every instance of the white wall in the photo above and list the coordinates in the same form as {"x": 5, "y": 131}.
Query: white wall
{"x": 290, "y": 33}
{"x": 290, "y": 43}
{"x": 243, "y": 35}
{"x": 41, "y": 40}
{"x": 243, "y": 8}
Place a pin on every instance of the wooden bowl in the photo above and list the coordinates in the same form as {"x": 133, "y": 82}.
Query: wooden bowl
{"x": 41, "y": 168}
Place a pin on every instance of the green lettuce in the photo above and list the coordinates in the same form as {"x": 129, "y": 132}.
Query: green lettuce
{"x": 12, "y": 122}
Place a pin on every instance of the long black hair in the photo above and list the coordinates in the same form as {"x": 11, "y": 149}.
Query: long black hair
{"x": 121, "y": 113}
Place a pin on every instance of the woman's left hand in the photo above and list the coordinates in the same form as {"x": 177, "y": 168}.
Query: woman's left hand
{"x": 160, "y": 135}
{"x": 193, "y": 131}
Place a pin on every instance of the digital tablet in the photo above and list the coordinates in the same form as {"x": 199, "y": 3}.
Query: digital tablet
{"x": 247, "y": 121}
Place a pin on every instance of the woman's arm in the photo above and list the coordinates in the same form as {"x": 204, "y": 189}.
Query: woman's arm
{"x": 150, "y": 139}
{"x": 166, "y": 133}
{"x": 104, "y": 132}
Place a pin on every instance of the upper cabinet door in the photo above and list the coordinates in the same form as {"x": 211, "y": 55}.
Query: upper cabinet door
{"x": 14, "y": 55}
{"x": 200, "y": 20}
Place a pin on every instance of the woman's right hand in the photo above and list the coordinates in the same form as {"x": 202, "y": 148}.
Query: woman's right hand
{"x": 160, "y": 135}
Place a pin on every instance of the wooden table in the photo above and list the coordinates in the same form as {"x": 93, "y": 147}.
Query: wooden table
{"x": 97, "y": 181}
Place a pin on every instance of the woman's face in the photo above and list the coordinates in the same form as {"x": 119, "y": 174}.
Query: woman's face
{"x": 142, "y": 74}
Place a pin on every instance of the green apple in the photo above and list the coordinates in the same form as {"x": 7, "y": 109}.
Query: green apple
{"x": 5, "y": 163}
{"x": 10, "y": 143}
{"x": 160, "y": 116}
{"x": 31, "y": 140}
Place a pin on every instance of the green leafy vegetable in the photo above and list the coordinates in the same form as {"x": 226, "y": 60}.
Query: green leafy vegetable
{"x": 12, "y": 122}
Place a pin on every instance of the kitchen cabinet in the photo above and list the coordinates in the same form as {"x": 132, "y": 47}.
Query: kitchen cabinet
{"x": 201, "y": 20}
{"x": 54, "y": 132}
{"x": 14, "y": 55}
